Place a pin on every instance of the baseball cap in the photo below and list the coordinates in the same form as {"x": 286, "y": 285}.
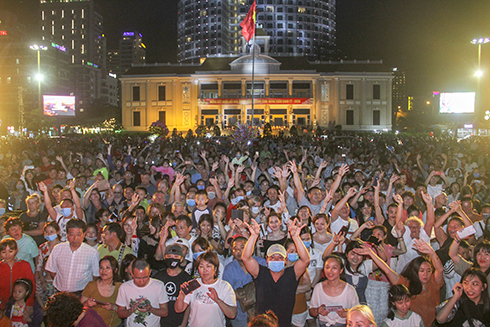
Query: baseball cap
{"x": 174, "y": 249}
{"x": 277, "y": 249}
{"x": 183, "y": 241}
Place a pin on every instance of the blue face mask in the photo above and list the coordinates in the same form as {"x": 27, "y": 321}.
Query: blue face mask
{"x": 201, "y": 187}
{"x": 2, "y": 211}
{"x": 191, "y": 202}
{"x": 293, "y": 257}
{"x": 196, "y": 255}
{"x": 50, "y": 238}
{"x": 66, "y": 212}
{"x": 275, "y": 266}
{"x": 307, "y": 244}
{"x": 236, "y": 200}
{"x": 476, "y": 175}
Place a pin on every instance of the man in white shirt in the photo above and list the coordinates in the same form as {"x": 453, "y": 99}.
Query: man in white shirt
{"x": 73, "y": 264}
{"x": 142, "y": 300}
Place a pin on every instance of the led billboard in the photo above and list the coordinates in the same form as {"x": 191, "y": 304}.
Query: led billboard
{"x": 457, "y": 103}
{"x": 59, "y": 105}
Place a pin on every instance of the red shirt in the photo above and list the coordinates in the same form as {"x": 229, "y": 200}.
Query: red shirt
{"x": 20, "y": 269}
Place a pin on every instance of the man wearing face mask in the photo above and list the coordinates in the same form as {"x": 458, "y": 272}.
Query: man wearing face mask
{"x": 276, "y": 279}
{"x": 173, "y": 276}
{"x": 236, "y": 274}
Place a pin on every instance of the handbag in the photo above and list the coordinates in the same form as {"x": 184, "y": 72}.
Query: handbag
{"x": 246, "y": 297}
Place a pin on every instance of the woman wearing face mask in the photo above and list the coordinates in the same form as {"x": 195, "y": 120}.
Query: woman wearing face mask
{"x": 200, "y": 246}
{"x": 300, "y": 310}
{"x": 470, "y": 304}
{"x": 44, "y": 281}
{"x": 17, "y": 200}
{"x": 255, "y": 205}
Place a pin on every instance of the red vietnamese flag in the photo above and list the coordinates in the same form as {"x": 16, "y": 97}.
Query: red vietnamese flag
{"x": 248, "y": 24}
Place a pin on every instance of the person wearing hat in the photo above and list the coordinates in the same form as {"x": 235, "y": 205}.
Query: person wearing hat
{"x": 276, "y": 285}
{"x": 173, "y": 276}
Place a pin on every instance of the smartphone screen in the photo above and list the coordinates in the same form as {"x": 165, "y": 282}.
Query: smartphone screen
{"x": 237, "y": 214}
{"x": 193, "y": 285}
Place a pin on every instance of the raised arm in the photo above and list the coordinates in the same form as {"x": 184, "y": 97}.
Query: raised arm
{"x": 341, "y": 204}
{"x": 250, "y": 263}
{"x": 47, "y": 201}
{"x": 300, "y": 191}
{"x": 76, "y": 200}
{"x": 393, "y": 277}
{"x": 304, "y": 257}
{"x": 377, "y": 209}
{"x": 389, "y": 191}
{"x": 420, "y": 166}
{"x": 344, "y": 168}
{"x": 425, "y": 248}
{"x": 430, "y": 213}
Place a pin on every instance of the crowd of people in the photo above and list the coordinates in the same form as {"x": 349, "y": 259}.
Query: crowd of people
{"x": 343, "y": 229}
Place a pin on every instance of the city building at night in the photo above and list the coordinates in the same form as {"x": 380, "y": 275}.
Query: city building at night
{"x": 77, "y": 26}
{"x": 19, "y": 76}
{"x": 295, "y": 27}
{"x": 287, "y": 91}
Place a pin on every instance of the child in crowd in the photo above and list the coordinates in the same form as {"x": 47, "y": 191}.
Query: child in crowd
{"x": 400, "y": 314}
{"x": 17, "y": 306}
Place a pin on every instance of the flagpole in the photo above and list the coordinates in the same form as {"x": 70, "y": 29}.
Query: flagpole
{"x": 253, "y": 76}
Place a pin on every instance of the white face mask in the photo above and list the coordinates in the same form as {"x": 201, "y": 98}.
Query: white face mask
{"x": 211, "y": 195}
{"x": 255, "y": 210}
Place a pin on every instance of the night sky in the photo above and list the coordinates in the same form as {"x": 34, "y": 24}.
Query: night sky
{"x": 429, "y": 39}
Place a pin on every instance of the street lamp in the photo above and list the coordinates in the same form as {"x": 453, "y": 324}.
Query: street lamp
{"x": 479, "y": 72}
{"x": 39, "y": 77}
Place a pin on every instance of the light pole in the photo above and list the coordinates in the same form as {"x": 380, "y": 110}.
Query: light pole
{"x": 479, "y": 74}
{"x": 39, "y": 77}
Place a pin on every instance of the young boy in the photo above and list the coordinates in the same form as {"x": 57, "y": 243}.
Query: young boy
{"x": 201, "y": 207}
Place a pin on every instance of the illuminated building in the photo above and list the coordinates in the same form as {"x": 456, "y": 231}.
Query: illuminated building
{"x": 288, "y": 91}
{"x": 76, "y": 25}
{"x": 295, "y": 27}
{"x": 18, "y": 73}
{"x": 131, "y": 50}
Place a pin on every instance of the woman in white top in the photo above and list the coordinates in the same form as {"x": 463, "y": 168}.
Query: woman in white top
{"x": 333, "y": 297}
{"x": 212, "y": 300}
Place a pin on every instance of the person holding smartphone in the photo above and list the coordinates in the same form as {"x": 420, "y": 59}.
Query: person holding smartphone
{"x": 210, "y": 298}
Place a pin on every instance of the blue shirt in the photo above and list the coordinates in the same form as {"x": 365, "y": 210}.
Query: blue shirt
{"x": 236, "y": 276}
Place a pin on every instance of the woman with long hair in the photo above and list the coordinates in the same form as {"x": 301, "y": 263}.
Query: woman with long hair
{"x": 470, "y": 304}
{"x": 333, "y": 297}
{"x": 101, "y": 293}
{"x": 481, "y": 258}
{"x": 322, "y": 236}
{"x": 422, "y": 276}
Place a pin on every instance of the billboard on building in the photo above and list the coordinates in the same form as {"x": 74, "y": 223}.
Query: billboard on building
{"x": 457, "y": 103}
{"x": 59, "y": 105}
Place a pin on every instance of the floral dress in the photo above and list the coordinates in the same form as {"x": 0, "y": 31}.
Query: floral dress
{"x": 44, "y": 253}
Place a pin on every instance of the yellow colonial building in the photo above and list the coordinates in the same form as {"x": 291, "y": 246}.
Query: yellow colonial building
{"x": 286, "y": 91}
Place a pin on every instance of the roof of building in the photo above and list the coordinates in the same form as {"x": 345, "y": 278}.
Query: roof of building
{"x": 288, "y": 64}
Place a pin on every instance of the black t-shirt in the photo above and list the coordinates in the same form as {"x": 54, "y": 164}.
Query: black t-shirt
{"x": 32, "y": 223}
{"x": 276, "y": 296}
{"x": 390, "y": 239}
{"x": 172, "y": 288}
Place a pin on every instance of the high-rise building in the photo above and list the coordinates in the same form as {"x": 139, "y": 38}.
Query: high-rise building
{"x": 296, "y": 27}
{"x": 26, "y": 74}
{"x": 77, "y": 26}
{"x": 131, "y": 50}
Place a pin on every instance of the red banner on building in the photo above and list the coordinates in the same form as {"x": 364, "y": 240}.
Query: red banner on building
{"x": 247, "y": 101}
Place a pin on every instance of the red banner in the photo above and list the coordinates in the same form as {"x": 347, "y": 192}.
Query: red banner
{"x": 247, "y": 101}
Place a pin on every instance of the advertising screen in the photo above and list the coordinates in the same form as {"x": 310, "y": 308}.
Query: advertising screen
{"x": 457, "y": 103}
{"x": 59, "y": 105}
